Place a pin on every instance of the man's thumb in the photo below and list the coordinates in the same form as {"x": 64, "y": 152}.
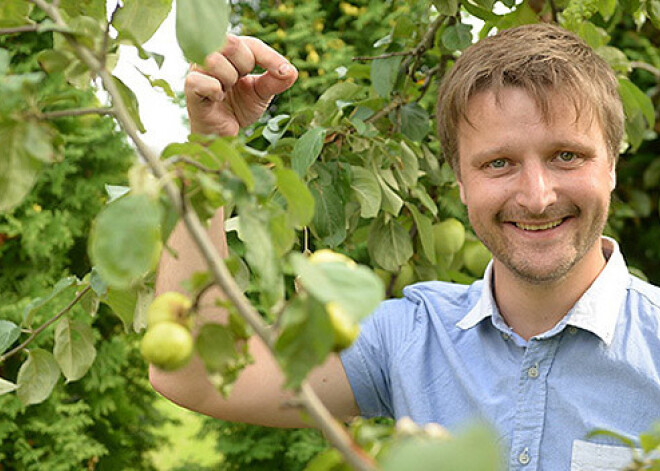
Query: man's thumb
{"x": 274, "y": 82}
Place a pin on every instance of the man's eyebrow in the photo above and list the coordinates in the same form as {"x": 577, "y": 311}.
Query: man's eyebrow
{"x": 504, "y": 150}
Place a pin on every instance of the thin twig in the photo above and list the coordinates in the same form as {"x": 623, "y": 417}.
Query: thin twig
{"x": 182, "y": 158}
{"x": 19, "y": 29}
{"x": 336, "y": 434}
{"x": 647, "y": 67}
{"x": 45, "y": 325}
{"x": 428, "y": 79}
{"x": 553, "y": 9}
{"x": 103, "y": 53}
{"x": 76, "y": 112}
{"x": 384, "y": 56}
{"x": 391, "y": 106}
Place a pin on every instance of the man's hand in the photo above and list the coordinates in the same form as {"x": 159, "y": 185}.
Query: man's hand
{"x": 222, "y": 97}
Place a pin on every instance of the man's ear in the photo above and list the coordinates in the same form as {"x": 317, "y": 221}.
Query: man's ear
{"x": 612, "y": 177}
{"x": 461, "y": 190}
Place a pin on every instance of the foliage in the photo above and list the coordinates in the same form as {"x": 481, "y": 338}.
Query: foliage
{"x": 357, "y": 171}
{"x": 99, "y": 421}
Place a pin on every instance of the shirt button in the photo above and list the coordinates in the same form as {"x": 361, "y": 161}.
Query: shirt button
{"x": 533, "y": 372}
{"x": 505, "y": 336}
{"x": 572, "y": 330}
{"x": 523, "y": 458}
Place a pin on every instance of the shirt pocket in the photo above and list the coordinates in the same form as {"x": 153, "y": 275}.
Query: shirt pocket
{"x": 589, "y": 456}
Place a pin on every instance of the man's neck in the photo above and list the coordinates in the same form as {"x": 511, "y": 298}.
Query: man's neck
{"x": 530, "y": 308}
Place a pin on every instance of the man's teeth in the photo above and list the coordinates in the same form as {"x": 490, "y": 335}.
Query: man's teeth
{"x": 539, "y": 227}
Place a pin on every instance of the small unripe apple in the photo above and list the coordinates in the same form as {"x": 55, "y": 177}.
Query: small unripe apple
{"x": 346, "y": 330}
{"x": 476, "y": 257}
{"x": 170, "y": 306}
{"x": 167, "y": 345}
{"x": 448, "y": 236}
{"x": 405, "y": 277}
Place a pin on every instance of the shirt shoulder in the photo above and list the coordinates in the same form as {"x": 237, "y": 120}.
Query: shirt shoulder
{"x": 648, "y": 295}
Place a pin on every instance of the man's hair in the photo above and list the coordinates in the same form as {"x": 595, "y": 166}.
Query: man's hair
{"x": 539, "y": 59}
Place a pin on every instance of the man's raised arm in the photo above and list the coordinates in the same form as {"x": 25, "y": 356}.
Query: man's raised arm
{"x": 221, "y": 98}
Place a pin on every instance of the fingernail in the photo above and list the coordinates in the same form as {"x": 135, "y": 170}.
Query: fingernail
{"x": 285, "y": 69}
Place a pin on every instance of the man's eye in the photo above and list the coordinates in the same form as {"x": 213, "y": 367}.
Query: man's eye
{"x": 567, "y": 156}
{"x": 497, "y": 163}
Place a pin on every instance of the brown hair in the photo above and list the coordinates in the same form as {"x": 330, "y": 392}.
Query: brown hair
{"x": 537, "y": 58}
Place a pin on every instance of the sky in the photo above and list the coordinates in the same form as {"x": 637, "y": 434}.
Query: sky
{"x": 162, "y": 119}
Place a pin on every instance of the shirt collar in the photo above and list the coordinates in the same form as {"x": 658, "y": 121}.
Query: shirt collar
{"x": 596, "y": 311}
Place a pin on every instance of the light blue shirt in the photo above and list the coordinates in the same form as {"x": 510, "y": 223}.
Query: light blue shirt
{"x": 444, "y": 354}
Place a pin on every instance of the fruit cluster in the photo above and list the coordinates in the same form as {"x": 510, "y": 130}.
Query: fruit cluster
{"x": 168, "y": 343}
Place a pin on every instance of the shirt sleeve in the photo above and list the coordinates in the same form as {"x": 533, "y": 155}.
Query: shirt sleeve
{"x": 367, "y": 361}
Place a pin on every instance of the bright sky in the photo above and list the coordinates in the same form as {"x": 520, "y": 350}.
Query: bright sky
{"x": 162, "y": 119}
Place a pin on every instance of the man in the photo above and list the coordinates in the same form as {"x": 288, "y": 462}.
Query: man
{"x": 557, "y": 340}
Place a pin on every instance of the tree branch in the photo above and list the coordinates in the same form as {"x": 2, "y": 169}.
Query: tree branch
{"x": 44, "y": 326}
{"x": 647, "y": 67}
{"x": 337, "y": 435}
{"x": 384, "y": 56}
{"x": 19, "y": 29}
{"x": 76, "y": 112}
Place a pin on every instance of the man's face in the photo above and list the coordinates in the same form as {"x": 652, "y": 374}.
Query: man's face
{"x": 537, "y": 193}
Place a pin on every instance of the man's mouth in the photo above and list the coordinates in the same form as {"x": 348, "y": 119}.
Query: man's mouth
{"x": 538, "y": 227}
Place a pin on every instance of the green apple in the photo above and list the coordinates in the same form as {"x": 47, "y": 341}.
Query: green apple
{"x": 167, "y": 345}
{"x": 170, "y": 306}
{"x": 476, "y": 257}
{"x": 448, "y": 237}
{"x": 405, "y": 277}
{"x": 346, "y": 330}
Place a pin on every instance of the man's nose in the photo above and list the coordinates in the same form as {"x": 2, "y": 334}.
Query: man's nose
{"x": 536, "y": 188}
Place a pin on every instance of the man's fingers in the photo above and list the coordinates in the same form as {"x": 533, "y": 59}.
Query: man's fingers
{"x": 238, "y": 54}
{"x": 200, "y": 87}
{"x": 273, "y": 83}
{"x": 219, "y": 67}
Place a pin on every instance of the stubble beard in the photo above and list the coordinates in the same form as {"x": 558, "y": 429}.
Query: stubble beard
{"x": 525, "y": 268}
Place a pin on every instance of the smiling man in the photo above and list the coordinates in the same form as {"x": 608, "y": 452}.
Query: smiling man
{"x": 556, "y": 340}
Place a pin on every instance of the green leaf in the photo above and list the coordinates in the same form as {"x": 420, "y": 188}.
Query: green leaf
{"x": 606, "y": 8}
{"x": 26, "y": 146}
{"x": 34, "y": 305}
{"x": 14, "y": 13}
{"x": 306, "y": 339}
{"x": 390, "y": 201}
{"x": 446, "y": 7}
{"x": 653, "y": 11}
{"x": 7, "y": 386}
{"x": 389, "y": 244}
{"x": 37, "y": 377}
{"x": 414, "y": 121}
{"x": 201, "y": 27}
{"x": 329, "y": 223}
{"x": 141, "y": 18}
{"x": 299, "y": 201}
{"x": 408, "y": 169}
{"x": 260, "y": 252}
{"x": 216, "y": 346}
{"x": 228, "y": 153}
{"x": 635, "y": 99}
{"x": 307, "y": 149}
{"x": 125, "y": 243}
{"x": 5, "y": 59}
{"x": 74, "y": 348}
{"x": 615, "y": 58}
{"x": 476, "y": 449}
{"x": 424, "y": 231}
{"x": 356, "y": 288}
{"x": 130, "y": 101}
{"x": 9, "y": 333}
{"x": 457, "y": 37}
{"x": 384, "y": 73}
{"x": 367, "y": 191}
{"x": 94, "y": 8}
{"x": 123, "y": 303}
{"x": 326, "y": 106}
